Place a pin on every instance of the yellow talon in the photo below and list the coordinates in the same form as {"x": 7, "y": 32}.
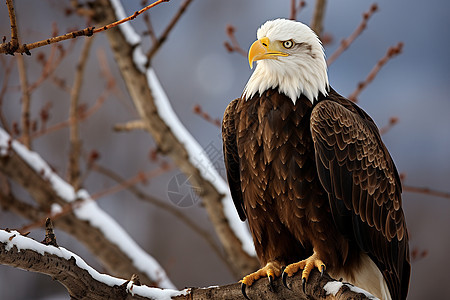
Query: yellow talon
{"x": 272, "y": 269}
{"x": 306, "y": 265}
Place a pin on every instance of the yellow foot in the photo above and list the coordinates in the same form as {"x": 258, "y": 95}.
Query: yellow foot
{"x": 306, "y": 265}
{"x": 271, "y": 270}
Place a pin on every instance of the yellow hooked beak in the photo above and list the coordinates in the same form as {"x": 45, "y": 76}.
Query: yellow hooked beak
{"x": 263, "y": 49}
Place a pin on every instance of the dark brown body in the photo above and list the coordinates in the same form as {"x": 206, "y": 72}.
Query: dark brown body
{"x": 316, "y": 176}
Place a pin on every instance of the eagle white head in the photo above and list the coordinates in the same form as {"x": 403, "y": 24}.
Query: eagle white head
{"x": 291, "y": 58}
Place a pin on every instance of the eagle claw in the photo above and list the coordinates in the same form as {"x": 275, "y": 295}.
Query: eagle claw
{"x": 243, "y": 287}
{"x": 284, "y": 277}
{"x": 304, "y": 285}
{"x": 270, "y": 282}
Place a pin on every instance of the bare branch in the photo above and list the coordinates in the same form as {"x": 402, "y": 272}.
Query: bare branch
{"x": 392, "y": 122}
{"x": 199, "y": 111}
{"x": 14, "y": 43}
{"x": 75, "y": 143}
{"x": 83, "y": 114}
{"x": 345, "y": 43}
{"x": 166, "y": 31}
{"x": 130, "y": 125}
{"x": 25, "y": 48}
{"x": 7, "y": 73}
{"x": 234, "y": 46}
{"x": 26, "y": 99}
{"x": 425, "y": 191}
{"x": 391, "y": 52}
{"x": 169, "y": 143}
{"x": 318, "y": 16}
{"x": 295, "y": 9}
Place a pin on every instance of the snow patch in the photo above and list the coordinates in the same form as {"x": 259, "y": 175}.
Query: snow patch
{"x": 333, "y": 287}
{"x": 14, "y": 238}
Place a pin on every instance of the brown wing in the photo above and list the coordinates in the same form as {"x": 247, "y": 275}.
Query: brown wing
{"x": 231, "y": 157}
{"x": 363, "y": 186}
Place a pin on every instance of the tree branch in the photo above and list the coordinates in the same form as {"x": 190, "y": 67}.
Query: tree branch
{"x": 391, "y": 52}
{"x": 318, "y": 16}
{"x": 80, "y": 280}
{"x": 345, "y": 43}
{"x": 166, "y": 31}
{"x": 75, "y": 142}
{"x": 83, "y": 282}
{"x": 11, "y": 47}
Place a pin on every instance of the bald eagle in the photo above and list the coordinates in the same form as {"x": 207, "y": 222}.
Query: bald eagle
{"x": 308, "y": 170}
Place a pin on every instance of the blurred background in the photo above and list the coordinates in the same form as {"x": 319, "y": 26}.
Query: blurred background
{"x": 195, "y": 68}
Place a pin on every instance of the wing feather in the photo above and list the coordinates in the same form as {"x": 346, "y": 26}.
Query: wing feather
{"x": 231, "y": 158}
{"x": 364, "y": 189}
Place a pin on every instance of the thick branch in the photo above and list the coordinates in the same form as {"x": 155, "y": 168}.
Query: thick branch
{"x": 80, "y": 280}
{"x": 83, "y": 282}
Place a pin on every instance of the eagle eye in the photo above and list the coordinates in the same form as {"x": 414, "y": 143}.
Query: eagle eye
{"x": 288, "y": 44}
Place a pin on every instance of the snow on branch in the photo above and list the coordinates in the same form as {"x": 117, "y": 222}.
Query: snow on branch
{"x": 32, "y": 172}
{"x": 84, "y": 282}
{"x": 80, "y": 280}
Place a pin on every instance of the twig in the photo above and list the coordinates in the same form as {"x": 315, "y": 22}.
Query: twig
{"x": 82, "y": 116}
{"x": 391, "y": 52}
{"x": 26, "y": 97}
{"x": 168, "y": 208}
{"x": 130, "y": 126}
{"x": 166, "y": 31}
{"x": 295, "y": 9}
{"x": 50, "y": 65}
{"x": 318, "y": 16}
{"x": 14, "y": 43}
{"x": 345, "y": 43}
{"x": 138, "y": 178}
{"x": 25, "y": 48}
{"x": 234, "y": 46}
{"x": 392, "y": 122}
{"x": 150, "y": 31}
{"x": 75, "y": 143}
{"x": 425, "y": 191}
{"x": 199, "y": 111}
{"x": 7, "y": 73}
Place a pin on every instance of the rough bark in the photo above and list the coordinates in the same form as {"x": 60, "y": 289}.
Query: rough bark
{"x": 80, "y": 284}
